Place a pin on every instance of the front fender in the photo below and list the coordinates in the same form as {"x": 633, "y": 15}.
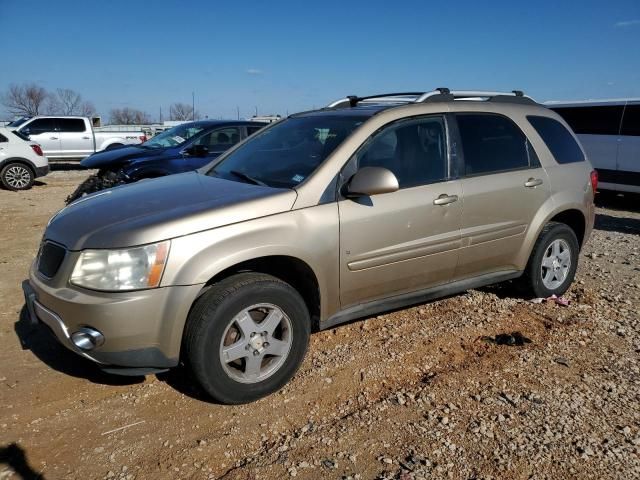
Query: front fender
{"x": 309, "y": 235}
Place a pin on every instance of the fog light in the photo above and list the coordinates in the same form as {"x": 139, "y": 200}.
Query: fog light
{"x": 87, "y": 338}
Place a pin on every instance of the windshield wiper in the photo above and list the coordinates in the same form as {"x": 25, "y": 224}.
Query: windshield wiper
{"x": 244, "y": 176}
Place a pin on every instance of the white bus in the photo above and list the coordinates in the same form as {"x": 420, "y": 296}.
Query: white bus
{"x": 609, "y": 131}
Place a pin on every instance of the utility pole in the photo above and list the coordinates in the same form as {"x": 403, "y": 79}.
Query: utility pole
{"x": 193, "y": 105}
{"x": 238, "y": 111}
{"x": 256, "y": 111}
{"x": 161, "y": 114}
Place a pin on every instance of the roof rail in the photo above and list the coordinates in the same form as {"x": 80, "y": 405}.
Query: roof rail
{"x": 438, "y": 95}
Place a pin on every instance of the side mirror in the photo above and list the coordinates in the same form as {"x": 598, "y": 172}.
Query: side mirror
{"x": 370, "y": 181}
{"x": 197, "y": 151}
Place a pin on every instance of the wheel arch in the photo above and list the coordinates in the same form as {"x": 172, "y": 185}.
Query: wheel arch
{"x": 21, "y": 160}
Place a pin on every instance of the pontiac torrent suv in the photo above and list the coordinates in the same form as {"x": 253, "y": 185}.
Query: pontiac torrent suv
{"x": 369, "y": 204}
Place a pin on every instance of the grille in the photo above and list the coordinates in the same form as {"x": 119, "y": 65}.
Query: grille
{"x": 51, "y": 256}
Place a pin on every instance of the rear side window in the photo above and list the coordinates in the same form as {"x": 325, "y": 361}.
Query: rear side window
{"x": 598, "y": 120}
{"x": 3, "y": 138}
{"x": 493, "y": 143}
{"x": 631, "y": 121}
{"x": 558, "y": 139}
{"x": 71, "y": 125}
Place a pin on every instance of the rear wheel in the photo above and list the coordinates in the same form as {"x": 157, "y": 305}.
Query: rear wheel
{"x": 553, "y": 262}
{"x": 246, "y": 337}
{"x": 17, "y": 176}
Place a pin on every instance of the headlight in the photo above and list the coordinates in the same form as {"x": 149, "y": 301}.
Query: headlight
{"x": 128, "y": 269}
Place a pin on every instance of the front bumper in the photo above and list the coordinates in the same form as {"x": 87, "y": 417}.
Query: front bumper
{"x": 142, "y": 329}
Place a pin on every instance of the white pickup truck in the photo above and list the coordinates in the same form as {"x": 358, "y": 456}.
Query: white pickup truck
{"x": 66, "y": 137}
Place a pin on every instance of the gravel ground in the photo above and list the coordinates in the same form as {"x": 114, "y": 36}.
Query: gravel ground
{"x": 417, "y": 393}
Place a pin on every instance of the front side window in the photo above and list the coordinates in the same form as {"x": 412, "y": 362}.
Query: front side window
{"x": 493, "y": 143}
{"x": 219, "y": 140}
{"x": 415, "y": 151}
{"x": 252, "y": 130}
{"x": 40, "y": 125}
{"x": 174, "y": 136}
{"x": 287, "y": 153}
{"x": 558, "y": 139}
{"x": 631, "y": 121}
{"x": 71, "y": 125}
{"x": 592, "y": 120}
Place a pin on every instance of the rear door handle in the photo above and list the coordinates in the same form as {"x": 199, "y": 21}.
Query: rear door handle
{"x": 53, "y": 138}
{"x": 533, "y": 182}
{"x": 86, "y": 138}
{"x": 445, "y": 199}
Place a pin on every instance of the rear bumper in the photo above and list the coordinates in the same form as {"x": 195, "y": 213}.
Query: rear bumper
{"x": 142, "y": 330}
{"x": 42, "y": 171}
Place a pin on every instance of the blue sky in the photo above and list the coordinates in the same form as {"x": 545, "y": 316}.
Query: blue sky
{"x": 293, "y": 55}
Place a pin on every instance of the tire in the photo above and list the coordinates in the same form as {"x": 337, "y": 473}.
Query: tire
{"x": 17, "y": 176}
{"x": 230, "y": 364}
{"x": 558, "y": 247}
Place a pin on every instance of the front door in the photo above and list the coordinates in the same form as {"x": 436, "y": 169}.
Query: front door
{"x": 44, "y": 131}
{"x": 216, "y": 142}
{"x": 401, "y": 242}
{"x": 503, "y": 186}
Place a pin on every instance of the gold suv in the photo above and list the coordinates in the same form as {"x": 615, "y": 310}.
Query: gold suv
{"x": 369, "y": 204}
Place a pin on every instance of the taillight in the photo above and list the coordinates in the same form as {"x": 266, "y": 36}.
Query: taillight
{"x": 594, "y": 181}
{"x": 143, "y": 138}
{"x": 38, "y": 150}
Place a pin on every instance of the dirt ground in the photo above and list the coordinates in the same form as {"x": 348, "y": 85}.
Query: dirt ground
{"x": 416, "y": 393}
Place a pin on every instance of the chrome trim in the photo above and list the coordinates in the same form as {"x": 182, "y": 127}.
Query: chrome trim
{"x": 60, "y": 330}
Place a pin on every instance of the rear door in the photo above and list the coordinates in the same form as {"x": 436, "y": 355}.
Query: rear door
{"x": 401, "y": 242}
{"x": 503, "y": 185}
{"x": 76, "y": 138}
{"x": 629, "y": 150}
{"x": 44, "y": 131}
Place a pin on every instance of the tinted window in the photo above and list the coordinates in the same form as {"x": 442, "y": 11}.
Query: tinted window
{"x": 219, "y": 140}
{"x": 252, "y": 130}
{"x": 2, "y": 138}
{"x": 415, "y": 151}
{"x": 40, "y": 125}
{"x": 631, "y": 120}
{"x": 71, "y": 125}
{"x": 600, "y": 120}
{"x": 20, "y": 135}
{"x": 288, "y": 152}
{"x": 492, "y": 143}
{"x": 558, "y": 139}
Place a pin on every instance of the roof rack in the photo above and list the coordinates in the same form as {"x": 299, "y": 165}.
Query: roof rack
{"x": 438, "y": 95}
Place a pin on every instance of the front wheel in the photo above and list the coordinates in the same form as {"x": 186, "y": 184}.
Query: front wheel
{"x": 246, "y": 337}
{"x": 553, "y": 262}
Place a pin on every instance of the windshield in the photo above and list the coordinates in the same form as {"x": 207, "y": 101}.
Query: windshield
{"x": 174, "y": 136}
{"x": 18, "y": 122}
{"x": 287, "y": 153}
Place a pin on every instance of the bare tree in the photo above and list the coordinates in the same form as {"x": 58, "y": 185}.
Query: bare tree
{"x": 128, "y": 116}
{"x": 69, "y": 102}
{"x": 25, "y": 100}
{"x": 182, "y": 111}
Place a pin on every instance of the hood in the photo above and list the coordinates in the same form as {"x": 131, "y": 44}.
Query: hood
{"x": 160, "y": 209}
{"x": 110, "y": 158}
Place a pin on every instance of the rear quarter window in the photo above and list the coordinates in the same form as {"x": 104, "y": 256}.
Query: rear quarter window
{"x": 560, "y": 142}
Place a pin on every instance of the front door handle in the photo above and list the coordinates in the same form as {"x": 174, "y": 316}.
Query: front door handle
{"x": 53, "y": 138}
{"x": 533, "y": 182}
{"x": 86, "y": 138}
{"x": 445, "y": 199}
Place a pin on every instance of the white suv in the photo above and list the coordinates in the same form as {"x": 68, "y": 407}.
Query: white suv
{"x": 21, "y": 161}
